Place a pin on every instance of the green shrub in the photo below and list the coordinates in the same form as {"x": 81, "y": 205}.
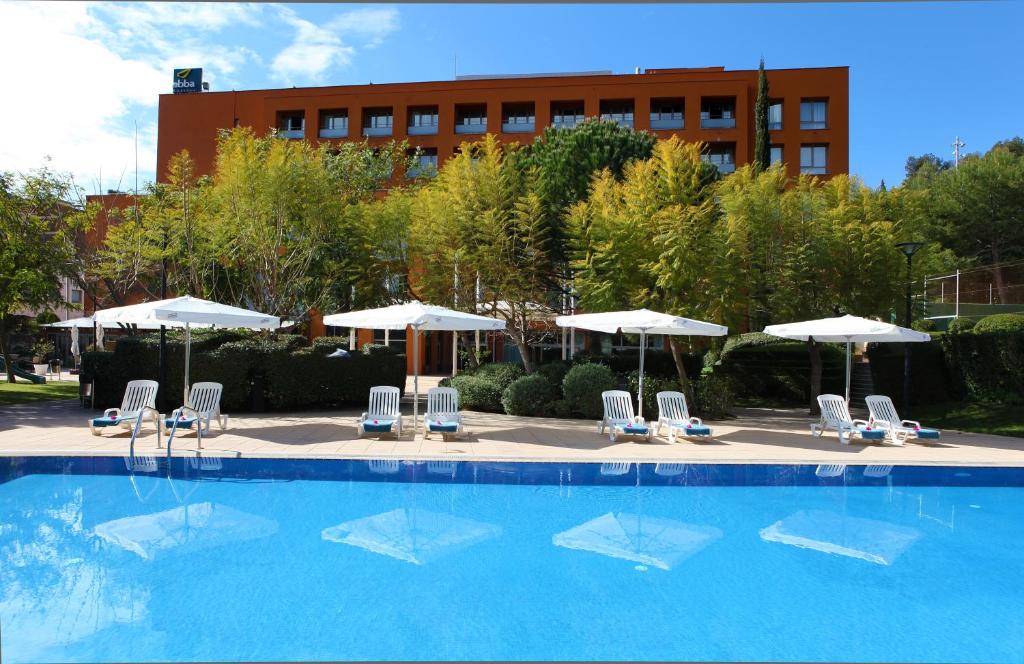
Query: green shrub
{"x": 1000, "y": 323}
{"x": 712, "y": 398}
{"x": 652, "y": 385}
{"x": 582, "y": 387}
{"x": 930, "y": 379}
{"x": 500, "y": 373}
{"x": 555, "y": 373}
{"x": 529, "y": 395}
{"x": 984, "y": 366}
{"x": 750, "y": 339}
{"x": 478, "y": 393}
{"x": 960, "y": 325}
{"x": 779, "y": 372}
{"x": 560, "y": 408}
{"x": 923, "y": 325}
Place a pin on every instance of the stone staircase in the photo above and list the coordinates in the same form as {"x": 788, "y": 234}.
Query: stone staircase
{"x": 861, "y": 384}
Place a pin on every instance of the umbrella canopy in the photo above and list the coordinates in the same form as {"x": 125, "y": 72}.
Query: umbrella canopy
{"x": 421, "y": 317}
{"x": 846, "y": 329}
{"x": 642, "y": 322}
{"x": 185, "y": 310}
{"x": 412, "y": 535}
{"x": 653, "y": 541}
{"x": 90, "y": 321}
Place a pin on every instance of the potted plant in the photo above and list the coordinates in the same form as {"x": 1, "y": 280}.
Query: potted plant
{"x": 42, "y": 351}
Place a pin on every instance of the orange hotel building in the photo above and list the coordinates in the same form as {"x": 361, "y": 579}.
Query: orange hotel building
{"x": 808, "y": 121}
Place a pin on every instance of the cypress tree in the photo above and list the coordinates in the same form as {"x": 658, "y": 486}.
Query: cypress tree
{"x": 762, "y": 146}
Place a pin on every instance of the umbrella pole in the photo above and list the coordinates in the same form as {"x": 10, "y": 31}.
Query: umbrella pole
{"x": 415, "y": 379}
{"x": 849, "y": 344}
{"x": 188, "y": 353}
{"x": 640, "y": 396}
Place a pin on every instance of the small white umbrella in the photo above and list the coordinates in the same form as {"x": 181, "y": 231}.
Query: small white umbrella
{"x": 846, "y": 329}
{"x": 642, "y": 322}
{"x": 421, "y": 318}
{"x": 187, "y": 311}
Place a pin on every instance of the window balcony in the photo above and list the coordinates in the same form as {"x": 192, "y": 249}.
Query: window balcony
{"x": 474, "y": 128}
{"x": 376, "y": 131}
{"x": 422, "y": 130}
{"x": 718, "y": 123}
{"x": 814, "y": 170}
{"x": 566, "y": 121}
{"x": 725, "y": 169}
{"x": 334, "y": 132}
{"x": 518, "y": 127}
{"x": 291, "y": 133}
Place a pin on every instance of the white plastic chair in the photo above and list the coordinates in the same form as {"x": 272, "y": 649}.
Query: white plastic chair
{"x": 139, "y": 400}
{"x": 442, "y": 415}
{"x": 673, "y": 413}
{"x": 835, "y": 415}
{"x": 619, "y": 418}
{"x": 203, "y": 404}
{"x": 882, "y": 415}
{"x": 383, "y": 408}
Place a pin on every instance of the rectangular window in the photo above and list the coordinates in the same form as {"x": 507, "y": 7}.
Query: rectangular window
{"x": 776, "y": 154}
{"x": 718, "y": 113}
{"x": 722, "y": 155}
{"x": 426, "y": 164}
{"x": 377, "y": 122}
{"x": 566, "y": 114}
{"x": 471, "y": 119}
{"x": 814, "y": 159}
{"x": 291, "y": 124}
{"x": 423, "y": 121}
{"x": 518, "y": 119}
{"x": 814, "y": 114}
{"x": 76, "y": 296}
{"x": 666, "y": 114}
{"x": 775, "y": 116}
{"x": 620, "y": 112}
{"x": 334, "y": 124}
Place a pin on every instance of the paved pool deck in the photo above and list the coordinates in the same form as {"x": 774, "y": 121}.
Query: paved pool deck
{"x": 754, "y": 436}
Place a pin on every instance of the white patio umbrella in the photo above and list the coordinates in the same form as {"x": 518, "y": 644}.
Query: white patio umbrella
{"x": 642, "y": 322}
{"x": 846, "y": 329}
{"x": 421, "y": 318}
{"x": 187, "y": 311}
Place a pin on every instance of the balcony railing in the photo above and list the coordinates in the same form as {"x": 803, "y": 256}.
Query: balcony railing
{"x": 376, "y": 131}
{"x": 291, "y": 133}
{"x": 566, "y": 121}
{"x": 335, "y": 132}
{"x": 811, "y": 124}
{"x": 667, "y": 123}
{"x": 422, "y": 130}
{"x": 717, "y": 123}
{"x": 813, "y": 170}
{"x": 518, "y": 127}
{"x": 475, "y": 128}
{"x": 774, "y": 126}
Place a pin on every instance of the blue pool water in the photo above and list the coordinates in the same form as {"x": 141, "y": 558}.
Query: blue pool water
{"x": 309, "y": 560}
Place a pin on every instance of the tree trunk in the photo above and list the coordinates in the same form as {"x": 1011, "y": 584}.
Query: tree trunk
{"x": 1000, "y": 283}
{"x": 524, "y": 350}
{"x": 5, "y": 349}
{"x": 677, "y": 356}
{"x": 815, "y": 352}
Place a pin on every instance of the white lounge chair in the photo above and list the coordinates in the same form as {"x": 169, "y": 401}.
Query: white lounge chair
{"x": 442, "y": 414}
{"x": 201, "y": 407}
{"x": 619, "y": 418}
{"x": 835, "y": 415}
{"x": 673, "y": 413}
{"x": 882, "y": 415}
{"x": 139, "y": 402}
{"x": 383, "y": 414}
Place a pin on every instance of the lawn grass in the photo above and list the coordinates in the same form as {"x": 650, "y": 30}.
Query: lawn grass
{"x": 999, "y": 419}
{"x": 15, "y": 393}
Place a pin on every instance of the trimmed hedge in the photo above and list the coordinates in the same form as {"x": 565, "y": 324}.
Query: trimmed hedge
{"x": 1000, "y": 323}
{"x": 983, "y": 366}
{"x": 582, "y": 387}
{"x": 530, "y": 395}
{"x": 478, "y": 393}
{"x": 958, "y": 325}
{"x": 779, "y": 371}
{"x": 281, "y": 372}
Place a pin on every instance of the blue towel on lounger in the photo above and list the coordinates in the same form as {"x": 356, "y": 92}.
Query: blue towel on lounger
{"x": 183, "y": 422}
{"x": 927, "y": 434}
{"x": 636, "y": 429}
{"x": 871, "y": 434}
{"x": 444, "y": 427}
{"x": 696, "y": 430}
{"x": 108, "y": 421}
{"x": 378, "y": 426}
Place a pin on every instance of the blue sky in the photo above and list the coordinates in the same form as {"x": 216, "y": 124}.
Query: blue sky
{"x": 920, "y": 73}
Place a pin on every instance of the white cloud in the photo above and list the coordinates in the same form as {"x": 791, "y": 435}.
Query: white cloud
{"x": 315, "y": 49}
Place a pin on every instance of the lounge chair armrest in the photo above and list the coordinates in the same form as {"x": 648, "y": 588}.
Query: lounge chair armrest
{"x": 863, "y": 423}
{"x": 363, "y": 416}
{"x": 885, "y": 424}
{"x": 911, "y": 423}
{"x": 112, "y": 412}
{"x": 696, "y": 420}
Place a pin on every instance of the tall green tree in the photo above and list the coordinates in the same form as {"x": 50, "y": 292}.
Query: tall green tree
{"x": 482, "y": 220}
{"x": 653, "y": 240}
{"x": 40, "y": 217}
{"x": 762, "y": 140}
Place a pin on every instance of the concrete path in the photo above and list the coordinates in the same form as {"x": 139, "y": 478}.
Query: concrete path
{"x": 755, "y": 436}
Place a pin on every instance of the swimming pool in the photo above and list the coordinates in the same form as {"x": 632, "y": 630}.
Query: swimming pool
{"x": 249, "y": 559}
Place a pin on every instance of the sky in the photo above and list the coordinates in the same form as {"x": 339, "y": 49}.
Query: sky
{"x": 82, "y": 80}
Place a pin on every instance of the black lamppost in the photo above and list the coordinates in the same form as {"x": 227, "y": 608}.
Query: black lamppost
{"x": 908, "y": 249}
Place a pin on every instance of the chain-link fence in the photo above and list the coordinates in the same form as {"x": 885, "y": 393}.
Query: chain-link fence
{"x": 973, "y": 293}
